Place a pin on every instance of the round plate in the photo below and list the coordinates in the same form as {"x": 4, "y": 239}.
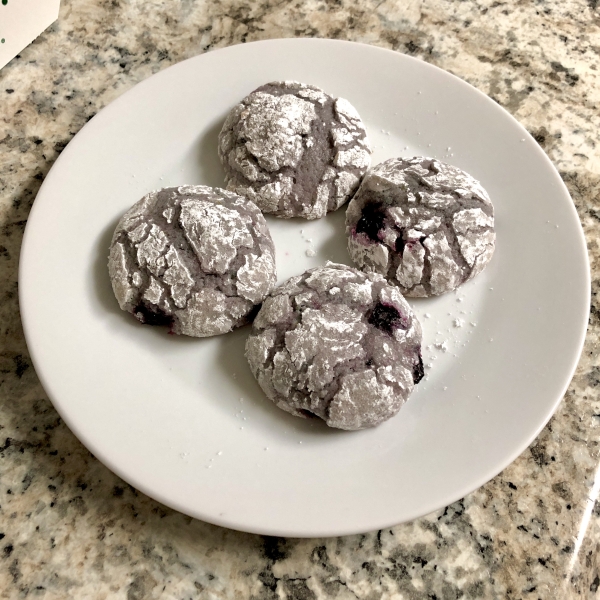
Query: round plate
{"x": 183, "y": 419}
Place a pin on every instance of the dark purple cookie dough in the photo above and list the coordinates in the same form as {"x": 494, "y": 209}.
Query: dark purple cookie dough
{"x": 294, "y": 150}
{"x": 338, "y": 344}
{"x": 195, "y": 258}
{"x": 424, "y": 225}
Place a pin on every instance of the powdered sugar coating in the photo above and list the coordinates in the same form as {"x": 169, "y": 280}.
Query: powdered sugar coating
{"x": 423, "y": 224}
{"x": 339, "y": 344}
{"x": 195, "y": 258}
{"x": 294, "y": 150}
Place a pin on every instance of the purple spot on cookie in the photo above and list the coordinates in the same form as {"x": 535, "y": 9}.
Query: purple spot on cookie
{"x": 307, "y": 413}
{"x": 149, "y": 314}
{"x": 418, "y": 371}
{"x": 253, "y": 312}
{"x": 399, "y": 246}
{"x": 387, "y": 318}
{"x": 371, "y": 221}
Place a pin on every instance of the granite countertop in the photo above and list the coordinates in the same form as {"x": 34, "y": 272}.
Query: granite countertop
{"x": 69, "y": 528}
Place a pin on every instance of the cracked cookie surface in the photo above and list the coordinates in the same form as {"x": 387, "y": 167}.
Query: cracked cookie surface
{"x": 294, "y": 150}
{"x": 194, "y": 258}
{"x": 423, "y": 224}
{"x": 339, "y": 344}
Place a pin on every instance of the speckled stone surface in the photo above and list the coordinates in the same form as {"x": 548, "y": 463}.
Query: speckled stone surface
{"x": 69, "y": 528}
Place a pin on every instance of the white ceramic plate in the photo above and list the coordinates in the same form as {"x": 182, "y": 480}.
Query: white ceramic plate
{"x": 166, "y": 413}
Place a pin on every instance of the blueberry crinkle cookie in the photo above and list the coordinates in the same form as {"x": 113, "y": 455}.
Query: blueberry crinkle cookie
{"x": 338, "y": 344}
{"x": 194, "y": 258}
{"x": 294, "y": 150}
{"x": 424, "y": 225}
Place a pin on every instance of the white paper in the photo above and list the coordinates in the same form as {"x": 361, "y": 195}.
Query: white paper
{"x": 21, "y": 21}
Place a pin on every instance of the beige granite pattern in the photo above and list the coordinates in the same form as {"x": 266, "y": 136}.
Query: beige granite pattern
{"x": 69, "y": 528}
